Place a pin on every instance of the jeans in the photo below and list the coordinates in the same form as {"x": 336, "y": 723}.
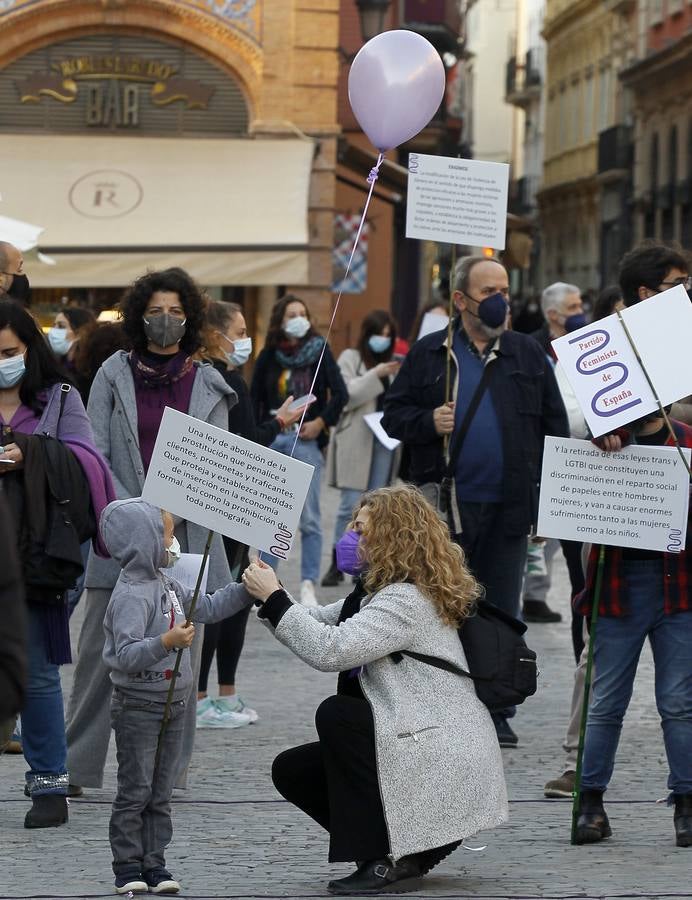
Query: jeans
{"x": 74, "y": 595}
{"x": 43, "y": 719}
{"x": 617, "y": 647}
{"x": 380, "y": 476}
{"x": 310, "y": 518}
{"x": 140, "y": 827}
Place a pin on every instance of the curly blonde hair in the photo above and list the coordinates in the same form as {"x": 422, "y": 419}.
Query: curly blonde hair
{"x": 406, "y": 541}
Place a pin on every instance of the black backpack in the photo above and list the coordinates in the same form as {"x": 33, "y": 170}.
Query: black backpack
{"x": 504, "y": 670}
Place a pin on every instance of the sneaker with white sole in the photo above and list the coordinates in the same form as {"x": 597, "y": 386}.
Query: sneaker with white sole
{"x": 236, "y": 704}
{"x": 210, "y": 716}
{"x": 161, "y": 881}
{"x": 130, "y": 883}
{"x": 307, "y": 593}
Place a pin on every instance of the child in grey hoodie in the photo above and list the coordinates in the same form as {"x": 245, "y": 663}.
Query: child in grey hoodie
{"x": 144, "y": 627}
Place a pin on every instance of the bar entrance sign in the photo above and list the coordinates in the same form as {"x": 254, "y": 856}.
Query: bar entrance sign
{"x": 227, "y": 483}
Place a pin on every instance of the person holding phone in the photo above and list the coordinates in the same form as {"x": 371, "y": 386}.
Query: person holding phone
{"x": 356, "y": 460}
{"x": 294, "y": 356}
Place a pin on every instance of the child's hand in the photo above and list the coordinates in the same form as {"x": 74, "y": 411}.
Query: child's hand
{"x": 179, "y": 637}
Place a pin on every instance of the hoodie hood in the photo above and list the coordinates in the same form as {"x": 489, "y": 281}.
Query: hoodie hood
{"x": 132, "y": 531}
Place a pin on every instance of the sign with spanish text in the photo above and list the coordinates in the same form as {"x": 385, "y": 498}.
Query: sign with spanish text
{"x": 635, "y": 498}
{"x": 457, "y": 201}
{"x": 602, "y": 366}
{"x": 226, "y": 483}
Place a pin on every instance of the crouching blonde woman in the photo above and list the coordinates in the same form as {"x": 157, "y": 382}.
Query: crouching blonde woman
{"x": 407, "y": 762}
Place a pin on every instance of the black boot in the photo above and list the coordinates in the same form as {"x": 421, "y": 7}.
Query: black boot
{"x": 683, "y": 820}
{"x": 47, "y": 811}
{"x": 380, "y": 876}
{"x": 592, "y": 824}
{"x": 333, "y": 576}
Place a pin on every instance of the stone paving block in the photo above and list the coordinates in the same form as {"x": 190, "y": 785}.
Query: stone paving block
{"x": 235, "y": 838}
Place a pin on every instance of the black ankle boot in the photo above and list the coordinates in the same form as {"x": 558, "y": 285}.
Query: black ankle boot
{"x": 592, "y": 824}
{"x": 47, "y": 811}
{"x": 683, "y": 820}
{"x": 380, "y": 876}
{"x": 333, "y": 576}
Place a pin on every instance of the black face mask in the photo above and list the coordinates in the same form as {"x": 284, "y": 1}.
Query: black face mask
{"x": 20, "y": 289}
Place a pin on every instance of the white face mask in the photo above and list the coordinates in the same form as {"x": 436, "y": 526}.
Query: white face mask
{"x": 57, "y": 338}
{"x": 174, "y": 552}
{"x": 297, "y": 327}
{"x": 242, "y": 350}
{"x": 11, "y": 371}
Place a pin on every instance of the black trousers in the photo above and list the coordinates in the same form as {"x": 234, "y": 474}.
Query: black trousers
{"x": 572, "y": 554}
{"x": 226, "y": 638}
{"x": 334, "y": 780}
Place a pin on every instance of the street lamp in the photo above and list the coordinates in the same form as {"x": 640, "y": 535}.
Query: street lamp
{"x": 372, "y": 13}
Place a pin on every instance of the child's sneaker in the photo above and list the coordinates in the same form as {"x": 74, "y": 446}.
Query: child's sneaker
{"x": 236, "y": 704}
{"x": 130, "y": 883}
{"x": 161, "y": 881}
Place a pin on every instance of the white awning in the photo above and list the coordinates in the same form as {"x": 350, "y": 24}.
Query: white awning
{"x": 228, "y": 211}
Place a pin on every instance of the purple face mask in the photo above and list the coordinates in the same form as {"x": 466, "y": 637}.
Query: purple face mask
{"x": 348, "y": 559}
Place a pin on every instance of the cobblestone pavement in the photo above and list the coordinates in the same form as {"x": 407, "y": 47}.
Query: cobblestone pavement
{"x": 234, "y": 837}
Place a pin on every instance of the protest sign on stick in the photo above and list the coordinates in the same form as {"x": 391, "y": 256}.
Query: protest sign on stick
{"x": 616, "y": 383}
{"x": 635, "y": 498}
{"x": 460, "y": 201}
{"x": 227, "y": 483}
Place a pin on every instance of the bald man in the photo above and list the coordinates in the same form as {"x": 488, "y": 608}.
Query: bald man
{"x": 13, "y": 281}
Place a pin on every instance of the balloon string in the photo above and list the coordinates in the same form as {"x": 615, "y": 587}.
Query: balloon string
{"x": 372, "y": 178}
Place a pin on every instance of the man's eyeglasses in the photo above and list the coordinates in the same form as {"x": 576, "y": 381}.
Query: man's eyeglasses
{"x": 685, "y": 282}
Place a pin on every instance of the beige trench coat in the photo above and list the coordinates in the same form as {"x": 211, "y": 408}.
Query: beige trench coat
{"x": 351, "y": 443}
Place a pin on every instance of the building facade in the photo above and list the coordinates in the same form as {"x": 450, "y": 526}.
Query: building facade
{"x": 660, "y": 83}
{"x": 201, "y": 133}
{"x": 525, "y": 90}
{"x": 585, "y": 169}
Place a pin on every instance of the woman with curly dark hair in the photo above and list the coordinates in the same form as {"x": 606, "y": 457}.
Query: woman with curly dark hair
{"x": 163, "y": 316}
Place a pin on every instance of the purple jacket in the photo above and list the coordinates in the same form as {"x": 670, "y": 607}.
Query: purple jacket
{"x": 74, "y": 429}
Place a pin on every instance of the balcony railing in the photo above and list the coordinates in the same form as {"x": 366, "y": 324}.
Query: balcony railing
{"x": 615, "y": 149}
{"x": 523, "y": 79}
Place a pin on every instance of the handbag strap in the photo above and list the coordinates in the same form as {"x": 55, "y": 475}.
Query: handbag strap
{"x": 431, "y": 661}
{"x": 65, "y": 389}
{"x": 460, "y": 436}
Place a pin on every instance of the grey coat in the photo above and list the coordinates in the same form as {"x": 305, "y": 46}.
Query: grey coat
{"x": 438, "y": 759}
{"x": 351, "y": 442}
{"x": 140, "y": 610}
{"x": 112, "y": 409}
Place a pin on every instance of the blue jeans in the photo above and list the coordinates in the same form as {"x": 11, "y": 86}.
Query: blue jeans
{"x": 380, "y": 476}
{"x": 76, "y": 592}
{"x": 43, "y": 718}
{"x": 140, "y": 828}
{"x": 310, "y": 518}
{"x": 617, "y": 647}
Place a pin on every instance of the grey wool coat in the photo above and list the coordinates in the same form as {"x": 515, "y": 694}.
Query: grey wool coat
{"x": 438, "y": 759}
{"x": 351, "y": 442}
{"x": 112, "y": 409}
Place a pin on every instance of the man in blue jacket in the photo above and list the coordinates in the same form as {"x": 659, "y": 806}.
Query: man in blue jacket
{"x": 493, "y": 494}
